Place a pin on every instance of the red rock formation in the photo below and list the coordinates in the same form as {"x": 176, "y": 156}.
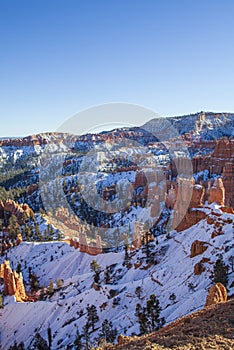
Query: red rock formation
{"x": 199, "y": 267}
{"x": 171, "y": 198}
{"x": 217, "y": 294}
{"x": 192, "y": 217}
{"x": 217, "y": 160}
{"x": 155, "y": 207}
{"x": 9, "y": 208}
{"x": 228, "y": 182}
{"x": 92, "y": 248}
{"x": 140, "y": 180}
{"x": 217, "y": 193}
{"x": 13, "y": 282}
{"x": 184, "y": 193}
{"x": 197, "y": 196}
{"x": 83, "y": 242}
{"x": 137, "y": 235}
{"x": 197, "y": 248}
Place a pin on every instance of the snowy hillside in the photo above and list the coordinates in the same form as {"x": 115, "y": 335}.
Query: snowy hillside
{"x": 65, "y": 311}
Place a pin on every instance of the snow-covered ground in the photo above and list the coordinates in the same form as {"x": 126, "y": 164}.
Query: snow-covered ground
{"x": 173, "y": 273}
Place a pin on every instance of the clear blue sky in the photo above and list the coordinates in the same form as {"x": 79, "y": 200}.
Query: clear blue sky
{"x": 58, "y": 57}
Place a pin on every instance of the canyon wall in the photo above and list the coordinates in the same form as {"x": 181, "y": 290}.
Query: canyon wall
{"x": 13, "y": 282}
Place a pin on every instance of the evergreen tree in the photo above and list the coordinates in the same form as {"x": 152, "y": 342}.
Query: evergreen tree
{"x": 51, "y": 287}
{"x": 92, "y": 316}
{"x": 16, "y": 346}
{"x": 49, "y": 333}
{"x": 34, "y": 282}
{"x": 138, "y": 292}
{"x": 142, "y": 318}
{"x": 127, "y": 257}
{"x": 14, "y": 227}
{"x": 107, "y": 275}
{"x": 149, "y": 316}
{"x": 86, "y": 336}
{"x": 107, "y": 333}
{"x": 147, "y": 243}
{"x": 77, "y": 342}
{"x": 153, "y": 312}
{"x": 96, "y": 268}
{"x": 172, "y": 297}
{"x": 18, "y": 268}
{"x": 231, "y": 259}
{"x": 27, "y": 232}
{"x": 1, "y": 302}
{"x": 220, "y": 272}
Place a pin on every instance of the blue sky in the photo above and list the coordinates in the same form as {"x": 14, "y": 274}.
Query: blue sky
{"x": 58, "y": 57}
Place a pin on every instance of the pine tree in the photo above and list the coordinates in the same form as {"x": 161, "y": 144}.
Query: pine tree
{"x": 220, "y": 272}
{"x": 172, "y": 297}
{"x": 147, "y": 243}
{"x": 96, "y": 268}
{"x": 107, "y": 333}
{"x": 153, "y": 312}
{"x": 231, "y": 259}
{"x": 138, "y": 292}
{"x": 51, "y": 287}
{"x": 92, "y": 316}
{"x": 1, "y": 302}
{"x": 127, "y": 257}
{"x": 49, "y": 333}
{"x": 149, "y": 316}
{"x": 14, "y": 227}
{"x": 142, "y": 318}
{"x": 77, "y": 342}
{"x": 34, "y": 282}
{"x": 107, "y": 275}
{"x": 18, "y": 268}
{"x": 86, "y": 336}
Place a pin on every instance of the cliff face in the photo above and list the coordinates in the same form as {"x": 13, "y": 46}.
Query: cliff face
{"x": 223, "y": 153}
{"x": 13, "y": 282}
{"x": 9, "y": 207}
{"x": 217, "y": 193}
{"x": 91, "y": 248}
{"x": 228, "y": 182}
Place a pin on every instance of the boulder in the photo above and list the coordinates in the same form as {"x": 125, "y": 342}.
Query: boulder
{"x": 197, "y": 248}
{"x": 217, "y": 294}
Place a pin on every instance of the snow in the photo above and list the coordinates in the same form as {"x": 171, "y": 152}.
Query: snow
{"x": 172, "y": 274}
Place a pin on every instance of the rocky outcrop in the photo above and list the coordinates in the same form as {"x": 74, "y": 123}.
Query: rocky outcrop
{"x": 183, "y": 197}
{"x": 228, "y": 182}
{"x": 199, "y": 267}
{"x": 197, "y": 196}
{"x": 91, "y": 248}
{"x": 217, "y": 193}
{"x": 21, "y": 211}
{"x": 171, "y": 198}
{"x": 217, "y": 160}
{"x": 13, "y": 282}
{"x": 192, "y": 217}
{"x": 217, "y": 294}
{"x": 140, "y": 180}
{"x": 197, "y": 248}
{"x": 137, "y": 235}
{"x": 122, "y": 339}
